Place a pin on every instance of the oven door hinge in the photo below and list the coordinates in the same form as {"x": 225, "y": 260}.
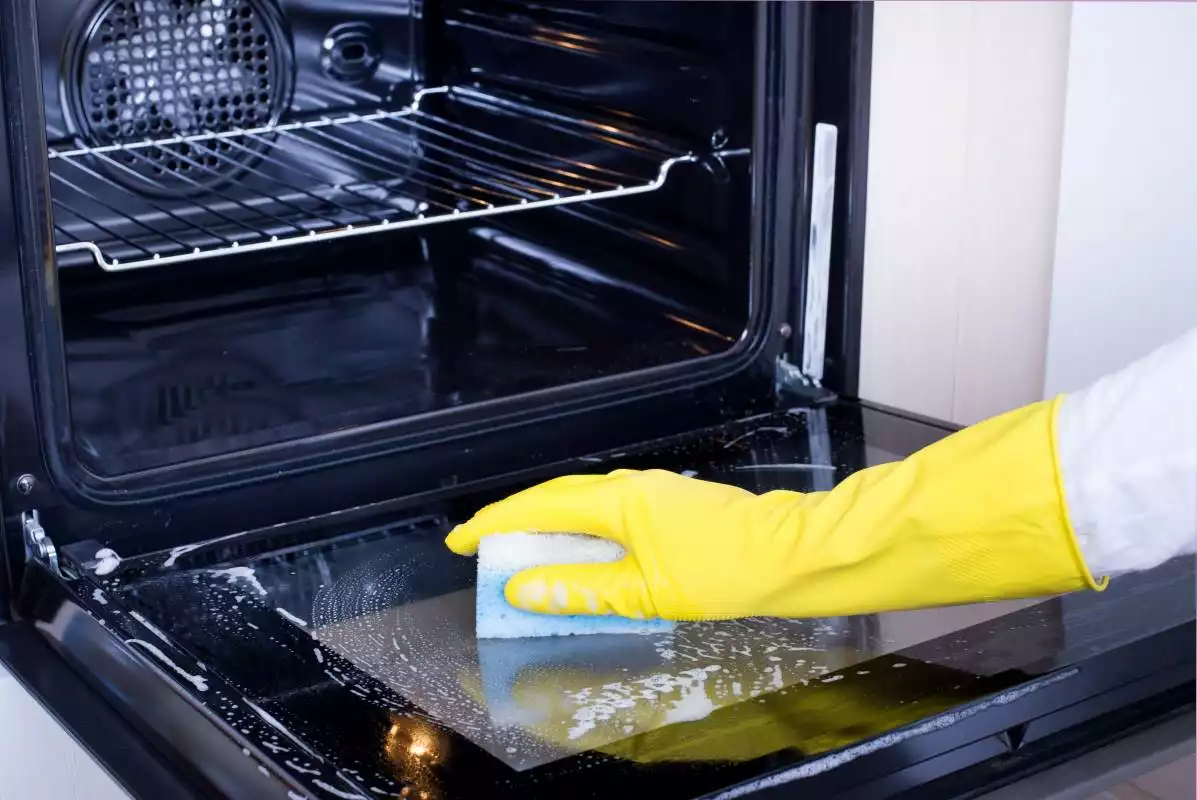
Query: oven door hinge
{"x": 790, "y": 382}
{"x": 38, "y": 546}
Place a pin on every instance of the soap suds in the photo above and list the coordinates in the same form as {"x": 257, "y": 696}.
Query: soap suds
{"x": 335, "y": 791}
{"x": 106, "y": 561}
{"x": 235, "y": 574}
{"x": 99, "y": 596}
{"x": 151, "y": 627}
{"x": 691, "y": 703}
{"x": 178, "y": 551}
{"x": 278, "y": 726}
{"x": 287, "y": 615}
{"x": 198, "y": 681}
{"x": 291, "y": 763}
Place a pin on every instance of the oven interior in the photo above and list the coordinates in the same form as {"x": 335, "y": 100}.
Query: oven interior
{"x": 282, "y": 220}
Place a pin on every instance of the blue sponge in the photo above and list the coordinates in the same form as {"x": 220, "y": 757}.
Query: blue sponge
{"x": 500, "y": 557}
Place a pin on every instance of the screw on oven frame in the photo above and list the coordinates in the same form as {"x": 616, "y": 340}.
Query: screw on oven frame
{"x": 26, "y": 484}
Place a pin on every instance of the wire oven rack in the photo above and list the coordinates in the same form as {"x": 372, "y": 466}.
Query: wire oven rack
{"x": 452, "y": 153}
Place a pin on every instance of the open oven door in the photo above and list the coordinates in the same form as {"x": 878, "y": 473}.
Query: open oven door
{"x": 336, "y": 658}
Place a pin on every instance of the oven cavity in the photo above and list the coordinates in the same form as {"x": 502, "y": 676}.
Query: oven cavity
{"x": 283, "y": 220}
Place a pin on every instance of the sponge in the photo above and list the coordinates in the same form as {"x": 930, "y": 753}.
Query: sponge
{"x": 501, "y": 556}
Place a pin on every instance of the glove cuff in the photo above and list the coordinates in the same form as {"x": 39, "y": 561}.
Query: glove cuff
{"x": 978, "y": 516}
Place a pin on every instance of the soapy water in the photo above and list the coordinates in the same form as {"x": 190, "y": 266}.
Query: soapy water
{"x": 532, "y": 701}
{"x": 241, "y": 574}
{"x": 106, "y": 561}
{"x": 198, "y": 681}
{"x": 177, "y": 552}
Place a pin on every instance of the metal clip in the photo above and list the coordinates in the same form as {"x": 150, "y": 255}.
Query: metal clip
{"x": 37, "y": 544}
{"x": 789, "y": 379}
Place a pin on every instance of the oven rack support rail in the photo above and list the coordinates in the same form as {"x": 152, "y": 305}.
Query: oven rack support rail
{"x": 282, "y": 185}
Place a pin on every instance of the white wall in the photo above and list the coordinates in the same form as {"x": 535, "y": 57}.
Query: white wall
{"x": 38, "y": 758}
{"x": 964, "y": 161}
{"x": 1126, "y": 251}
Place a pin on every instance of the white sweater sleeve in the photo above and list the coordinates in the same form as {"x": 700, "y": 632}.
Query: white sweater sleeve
{"x": 1128, "y": 460}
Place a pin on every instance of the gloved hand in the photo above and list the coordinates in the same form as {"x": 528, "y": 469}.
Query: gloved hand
{"x": 978, "y": 516}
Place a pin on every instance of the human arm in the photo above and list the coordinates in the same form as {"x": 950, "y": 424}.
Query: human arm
{"x": 988, "y": 513}
{"x": 1128, "y": 460}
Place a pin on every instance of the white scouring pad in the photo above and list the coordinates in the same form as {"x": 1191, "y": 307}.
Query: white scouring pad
{"x": 501, "y": 556}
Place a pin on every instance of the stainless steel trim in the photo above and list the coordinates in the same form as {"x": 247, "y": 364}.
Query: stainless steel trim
{"x": 818, "y": 261}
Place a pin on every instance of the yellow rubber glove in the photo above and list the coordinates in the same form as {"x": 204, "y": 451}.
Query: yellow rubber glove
{"x": 977, "y": 516}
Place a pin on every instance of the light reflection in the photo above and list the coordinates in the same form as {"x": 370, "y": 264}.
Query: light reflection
{"x": 420, "y": 747}
{"x": 661, "y": 241}
{"x": 409, "y": 738}
{"x": 415, "y": 748}
{"x": 554, "y": 41}
{"x": 692, "y": 325}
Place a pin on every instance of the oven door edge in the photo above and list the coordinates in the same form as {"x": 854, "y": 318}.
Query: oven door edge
{"x": 124, "y": 752}
{"x": 122, "y": 707}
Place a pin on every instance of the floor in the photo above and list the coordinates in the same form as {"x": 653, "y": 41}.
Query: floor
{"x": 1173, "y": 781}
{"x": 43, "y": 761}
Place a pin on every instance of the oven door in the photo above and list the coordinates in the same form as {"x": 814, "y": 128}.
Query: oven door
{"x": 336, "y": 658}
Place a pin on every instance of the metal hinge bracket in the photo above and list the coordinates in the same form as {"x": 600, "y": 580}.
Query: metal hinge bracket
{"x": 790, "y": 381}
{"x": 38, "y": 546}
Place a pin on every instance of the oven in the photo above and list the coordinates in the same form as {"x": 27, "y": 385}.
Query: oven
{"x": 289, "y": 287}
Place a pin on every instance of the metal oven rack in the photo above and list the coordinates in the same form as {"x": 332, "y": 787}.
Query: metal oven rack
{"x": 453, "y": 153}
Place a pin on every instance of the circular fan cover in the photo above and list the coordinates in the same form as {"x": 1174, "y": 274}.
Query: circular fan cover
{"x": 151, "y": 69}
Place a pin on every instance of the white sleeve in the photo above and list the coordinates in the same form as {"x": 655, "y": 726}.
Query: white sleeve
{"x": 1128, "y": 460}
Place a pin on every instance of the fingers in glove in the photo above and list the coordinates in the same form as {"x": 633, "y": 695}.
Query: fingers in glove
{"x": 612, "y": 588}
{"x": 587, "y": 504}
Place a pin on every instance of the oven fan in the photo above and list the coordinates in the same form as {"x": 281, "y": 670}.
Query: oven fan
{"x": 155, "y": 69}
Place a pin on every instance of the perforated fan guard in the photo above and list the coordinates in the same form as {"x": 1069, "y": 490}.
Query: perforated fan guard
{"x": 148, "y": 69}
